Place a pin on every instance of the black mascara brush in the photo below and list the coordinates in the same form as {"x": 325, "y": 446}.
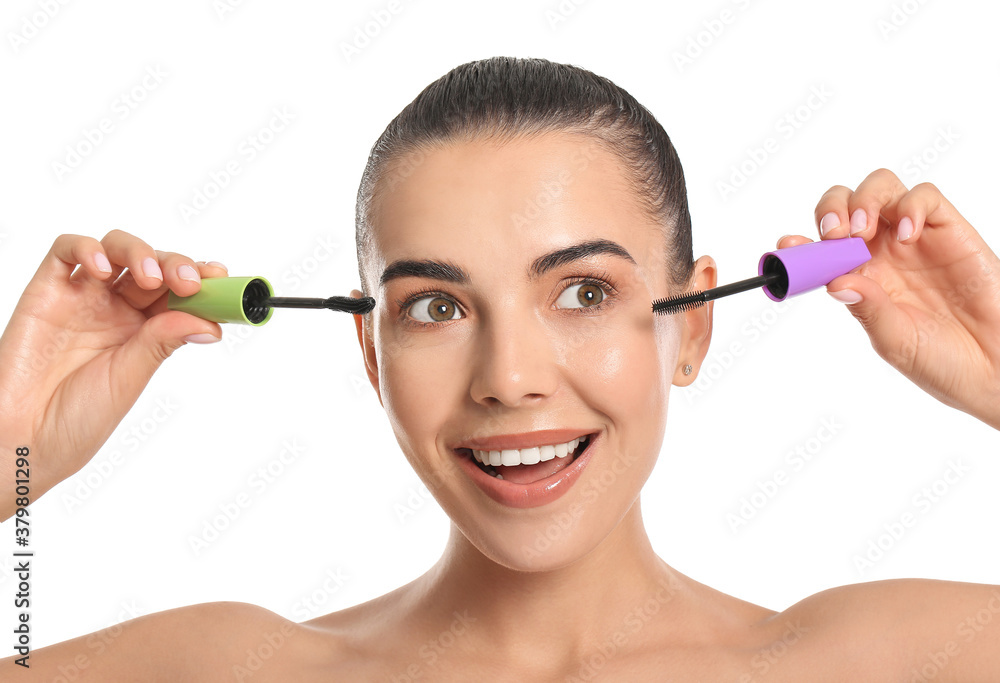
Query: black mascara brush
{"x": 683, "y": 302}
{"x": 346, "y": 304}
{"x": 784, "y": 273}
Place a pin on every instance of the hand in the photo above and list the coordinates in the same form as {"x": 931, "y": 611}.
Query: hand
{"x": 81, "y": 346}
{"x": 929, "y": 302}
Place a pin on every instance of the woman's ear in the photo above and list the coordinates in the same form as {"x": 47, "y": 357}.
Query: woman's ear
{"x": 697, "y": 333}
{"x": 367, "y": 347}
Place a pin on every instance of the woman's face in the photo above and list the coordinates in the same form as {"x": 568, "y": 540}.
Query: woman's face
{"x": 497, "y": 341}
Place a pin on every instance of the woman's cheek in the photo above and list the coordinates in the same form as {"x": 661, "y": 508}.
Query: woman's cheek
{"x": 620, "y": 377}
{"x": 408, "y": 375}
{"x": 618, "y": 360}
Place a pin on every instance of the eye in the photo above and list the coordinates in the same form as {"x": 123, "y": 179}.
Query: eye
{"x": 433, "y": 309}
{"x": 581, "y": 295}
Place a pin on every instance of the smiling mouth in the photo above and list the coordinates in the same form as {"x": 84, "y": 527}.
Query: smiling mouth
{"x": 528, "y": 465}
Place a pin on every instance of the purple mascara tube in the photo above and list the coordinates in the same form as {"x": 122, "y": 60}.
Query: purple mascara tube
{"x": 811, "y": 265}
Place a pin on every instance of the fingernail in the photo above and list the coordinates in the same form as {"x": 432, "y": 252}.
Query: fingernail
{"x": 859, "y": 220}
{"x": 186, "y": 272}
{"x": 217, "y": 265}
{"x": 828, "y": 222}
{"x": 102, "y": 263}
{"x": 151, "y": 269}
{"x": 905, "y": 229}
{"x": 201, "y": 338}
{"x": 846, "y": 296}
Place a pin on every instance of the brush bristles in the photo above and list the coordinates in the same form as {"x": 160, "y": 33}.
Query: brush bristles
{"x": 350, "y": 304}
{"x": 676, "y": 304}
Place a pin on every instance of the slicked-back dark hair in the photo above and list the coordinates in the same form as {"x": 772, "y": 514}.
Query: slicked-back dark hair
{"x": 506, "y": 97}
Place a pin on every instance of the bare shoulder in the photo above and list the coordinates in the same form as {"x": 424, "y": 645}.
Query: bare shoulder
{"x": 904, "y": 629}
{"x": 214, "y": 641}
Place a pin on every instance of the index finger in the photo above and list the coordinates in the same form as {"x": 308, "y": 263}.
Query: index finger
{"x": 875, "y": 200}
{"x": 67, "y": 252}
{"x": 842, "y": 212}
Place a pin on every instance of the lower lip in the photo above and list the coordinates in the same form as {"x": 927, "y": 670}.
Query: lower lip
{"x": 535, "y": 494}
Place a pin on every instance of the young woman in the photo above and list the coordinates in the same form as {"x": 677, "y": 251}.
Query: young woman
{"x": 514, "y": 224}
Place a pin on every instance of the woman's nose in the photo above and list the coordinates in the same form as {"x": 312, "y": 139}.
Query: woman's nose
{"x": 516, "y": 361}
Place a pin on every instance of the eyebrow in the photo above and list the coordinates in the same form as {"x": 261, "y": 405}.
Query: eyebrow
{"x": 449, "y": 272}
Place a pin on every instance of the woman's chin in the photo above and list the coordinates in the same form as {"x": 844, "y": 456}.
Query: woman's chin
{"x": 524, "y": 560}
{"x": 537, "y": 547}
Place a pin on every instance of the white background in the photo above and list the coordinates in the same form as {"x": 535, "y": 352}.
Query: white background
{"x": 125, "y": 546}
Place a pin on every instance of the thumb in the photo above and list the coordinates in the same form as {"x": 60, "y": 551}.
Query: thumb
{"x": 868, "y": 302}
{"x": 159, "y": 337}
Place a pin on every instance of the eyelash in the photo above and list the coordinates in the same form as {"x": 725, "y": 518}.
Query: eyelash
{"x": 604, "y": 282}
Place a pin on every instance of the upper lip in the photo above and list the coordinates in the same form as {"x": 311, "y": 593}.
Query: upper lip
{"x": 544, "y": 437}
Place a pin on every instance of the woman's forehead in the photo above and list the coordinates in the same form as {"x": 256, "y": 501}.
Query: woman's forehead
{"x": 529, "y": 195}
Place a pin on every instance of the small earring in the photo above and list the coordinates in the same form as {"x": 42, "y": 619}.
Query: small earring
{"x": 688, "y": 369}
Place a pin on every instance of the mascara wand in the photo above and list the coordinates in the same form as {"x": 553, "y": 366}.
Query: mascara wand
{"x": 346, "y": 304}
{"x": 685, "y": 301}
{"x": 784, "y": 273}
{"x": 251, "y": 300}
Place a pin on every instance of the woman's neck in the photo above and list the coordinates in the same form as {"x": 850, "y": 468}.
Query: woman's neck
{"x": 608, "y": 592}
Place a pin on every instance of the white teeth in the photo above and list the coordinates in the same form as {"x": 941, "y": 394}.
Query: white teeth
{"x": 530, "y": 456}
{"x": 526, "y": 456}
